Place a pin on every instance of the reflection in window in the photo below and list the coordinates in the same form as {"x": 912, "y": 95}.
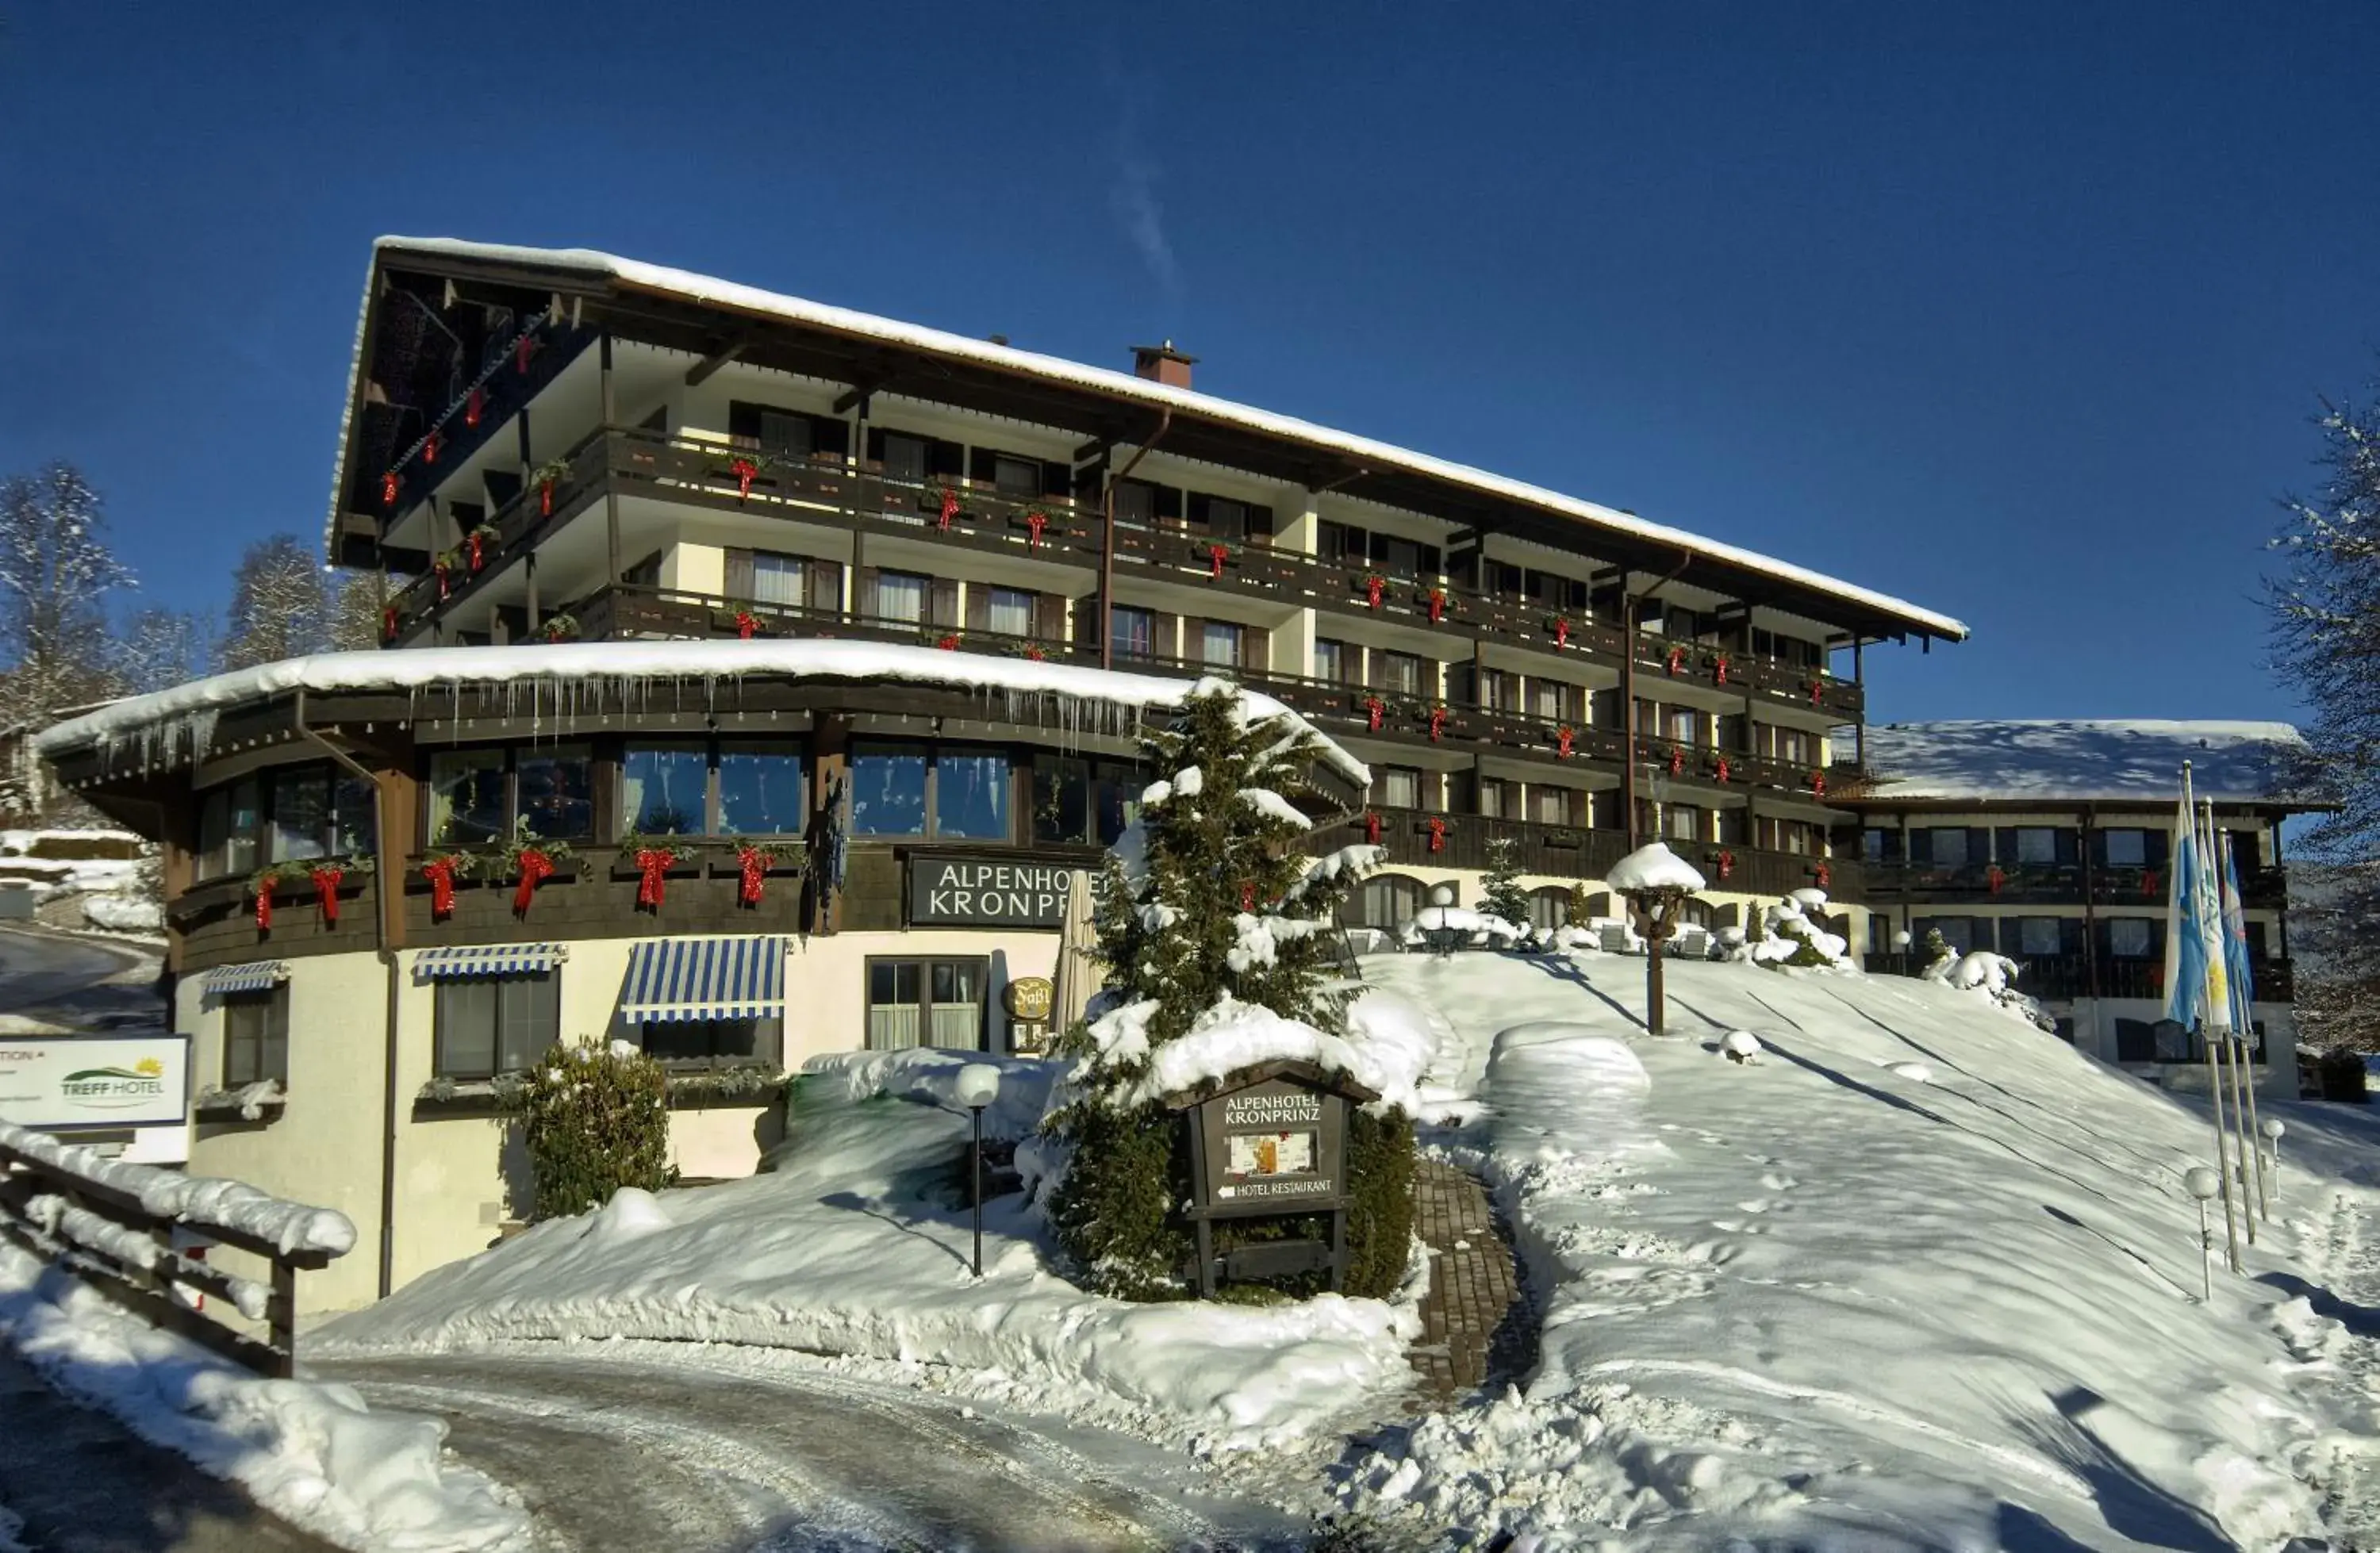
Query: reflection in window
{"x": 557, "y": 792}
{"x": 888, "y": 790}
{"x": 1135, "y": 632}
{"x": 971, "y": 794}
{"x": 227, "y": 824}
{"x": 665, "y": 792}
{"x": 1950, "y": 847}
{"x": 2036, "y": 843}
{"x": 1077, "y": 801}
{"x": 2038, "y": 935}
{"x": 301, "y": 816}
{"x": 760, "y": 791}
{"x": 466, "y": 796}
{"x": 2131, "y": 937}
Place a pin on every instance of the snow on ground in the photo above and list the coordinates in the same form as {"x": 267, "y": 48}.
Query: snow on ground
{"x": 1919, "y": 1277}
{"x": 857, "y": 1243}
{"x": 313, "y": 1454}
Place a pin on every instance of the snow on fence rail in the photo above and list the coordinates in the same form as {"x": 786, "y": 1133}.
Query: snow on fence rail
{"x": 113, "y": 1223}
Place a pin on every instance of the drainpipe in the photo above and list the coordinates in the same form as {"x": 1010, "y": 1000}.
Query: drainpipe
{"x": 390, "y": 877}
{"x": 1107, "y": 547}
{"x": 1627, "y": 604}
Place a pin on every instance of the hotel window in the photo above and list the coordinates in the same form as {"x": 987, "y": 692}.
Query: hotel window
{"x": 776, "y": 579}
{"x": 1079, "y": 802}
{"x": 1496, "y": 799}
{"x": 1400, "y": 786}
{"x": 761, "y": 791}
{"x": 1964, "y": 934}
{"x": 1017, "y": 479}
{"x": 1009, "y": 612}
{"x": 1499, "y": 690}
{"x": 1227, "y": 520}
{"x": 1335, "y": 662}
{"x": 926, "y": 1003}
{"x": 668, "y": 790}
{"x": 466, "y": 798}
{"x": 703, "y": 1043}
{"x": 1552, "y": 806}
{"x": 1682, "y": 726}
{"x": 1682, "y": 822}
{"x": 2040, "y": 935}
{"x": 488, "y": 1026}
{"x": 1549, "y": 907}
{"x": 906, "y": 458}
{"x": 1546, "y": 700}
{"x": 1397, "y": 671}
{"x": 895, "y": 788}
{"x": 900, "y": 596}
{"x": 1949, "y": 847}
{"x": 2132, "y": 938}
{"x": 789, "y": 434}
{"x": 1384, "y": 901}
{"x": 1136, "y": 502}
{"x": 256, "y": 1036}
{"x": 2036, "y": 845}
{"x": 555, "y": 791}
{"x": 1135, "y": 632}
{"x": 289, "y": 814}
{"x": 1219, "y": 643}
{"x": 2127, "y": 849}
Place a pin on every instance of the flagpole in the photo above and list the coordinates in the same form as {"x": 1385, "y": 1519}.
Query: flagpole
{"x": 2185, "y": 912}
{"x": 2246, "y": 1026}
{"x": 2218, "y": 997}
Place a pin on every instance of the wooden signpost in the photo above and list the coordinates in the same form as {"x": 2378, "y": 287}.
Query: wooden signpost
{"x": 1270, "y": 1141}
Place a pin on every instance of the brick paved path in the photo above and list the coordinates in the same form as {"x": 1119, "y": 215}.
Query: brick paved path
{"x": 1473, "y": 1324}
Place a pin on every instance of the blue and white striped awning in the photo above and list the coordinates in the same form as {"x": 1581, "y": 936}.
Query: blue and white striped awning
{"x": 705, "y": 979}
{"x": 510, "y": 959}
{"x": 257, "y": 976}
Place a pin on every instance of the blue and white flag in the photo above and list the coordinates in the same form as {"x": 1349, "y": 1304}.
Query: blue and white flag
{"x": 2185, "y": 940}
{"x": 2235, "y": 945}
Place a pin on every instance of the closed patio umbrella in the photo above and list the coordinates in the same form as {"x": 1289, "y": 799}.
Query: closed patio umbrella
{"x": 1078, "y": 966}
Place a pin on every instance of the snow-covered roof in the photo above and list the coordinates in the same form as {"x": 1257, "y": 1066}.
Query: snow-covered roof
{"x": 704, "y": 290}
{"x": 2082, "y": 760}
{"x": 585, "y": 678}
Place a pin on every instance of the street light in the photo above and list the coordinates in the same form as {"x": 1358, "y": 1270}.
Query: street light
{"x": 978, "y": 1086}
{"x": 2271, "y": 1129}
{"x": 1654, "y": 879}
{"x": 2203, "y": 1184}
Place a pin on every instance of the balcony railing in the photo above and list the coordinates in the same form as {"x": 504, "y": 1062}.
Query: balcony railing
{"x": 1420, "y": 838}
{"x": 2063, "y": 977}
{"x": 965, "y": 514}
{"x": 2060, "y": 883}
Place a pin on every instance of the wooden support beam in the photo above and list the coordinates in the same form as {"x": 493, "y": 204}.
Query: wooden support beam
{"x": 701, "y": 372}
{"x": 855, "y": 397}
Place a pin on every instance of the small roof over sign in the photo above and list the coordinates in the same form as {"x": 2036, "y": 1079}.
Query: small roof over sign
{"x": 1330, "y": 1081}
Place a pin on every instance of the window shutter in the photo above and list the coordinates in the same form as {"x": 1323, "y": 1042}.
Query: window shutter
{"x": 2157, "y": 847}
{"x": 1260, "y": 523}
{"x": 865, "y": 603}
{"x": 1169, "y": 504}
{"x": 1056, "y": 479}
{"x": 1921, "y": 847}
{"x": 1086, "y": 621}
{"x": 1256, "y": 650}
{"x": 1050, "y": 617}
{"x": 1979, "y": 840}
{"x": 742, "y": 420}
{"x": 1165, "y": 635}
{"x": 981, "y": 462}
{"x": 1198, "y": 520}
{"x": 949, "y": 458}
{"x": 943, "y": 602}
{"x": 876, "y": 444}
{"x": 2069, "y": 846}
{"x": 830, "y": 435}
{"x": 2004, "y": 846}
{"x": 978, "y": 606}
{"x": 1193, "y": 646}
{"x": 2069, "y": 935}
{"x": 739, "y": 573}
{"x": 824, "y": 585}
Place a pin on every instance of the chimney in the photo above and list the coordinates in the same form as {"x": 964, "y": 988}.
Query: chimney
{"x": 1163, "y": 364}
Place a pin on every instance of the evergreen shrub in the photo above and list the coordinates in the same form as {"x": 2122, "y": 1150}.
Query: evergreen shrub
{"x": 595, "y": 1119}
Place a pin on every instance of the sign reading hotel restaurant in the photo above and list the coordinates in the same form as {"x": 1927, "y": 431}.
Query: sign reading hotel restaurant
{"x": 1268, "y": 1141}
{"x": 980, "y": 892}
{"x": 80, "y": 1080}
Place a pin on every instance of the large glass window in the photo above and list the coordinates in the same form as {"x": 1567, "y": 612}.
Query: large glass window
{"x": 888, "y": 790}
{"x": 926, "y": 1003}
{"x": 905, "y": 457}
{"x": 1950, "y": 843}
{"x": 289, "y": 814}
{"x": 716, "y": 1043}
{"x": 2127, "y": 849}
{"x": 466, "y": 796}
{"x": 300, "y": 826}
{"x": 971, "y": 794}
{"x": 1135, "y": 632}
{"x": 762, "y": 792}
{"x": 1385, "y": 902}
{"x": 1400, "y": 786}
{"x": 557, "y": 790}
{"x": 1219, "y": 643}
{"x": 1010, "y": 611}
{"x": 228, "y": 823}
{"x": 1964, "y": 934}
{"x": 900, "y": 596}
{"x": 665, "y": 791}
{"x": 776, "y": 579}
{"x": 2038, "y": 935}
{"x": 2132, "y": 938}
{"x": 1018, "y": 478}
{"x": 488, "y": 1026}
{"x": 1397, "y": 671}
{"x": 2036, "y": 845}
{"x": 1081, "y": 801}
{"x": 1334, "y": 662}
{"x": 256, "y": 1038}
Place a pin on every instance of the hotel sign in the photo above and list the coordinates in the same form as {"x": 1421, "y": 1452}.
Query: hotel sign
{"x": 946, "y": 892}
{"x": 81, "y": 1081}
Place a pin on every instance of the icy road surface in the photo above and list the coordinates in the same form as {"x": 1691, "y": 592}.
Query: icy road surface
{"x": 637, "y": 1446}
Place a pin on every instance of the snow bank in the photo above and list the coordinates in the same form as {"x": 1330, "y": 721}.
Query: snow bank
{"x": 857, "y": 1243}
{"x": 1460, "y": 919}
{"x": 314, "y": 1454}
{"x": 1381, "y": 1052}
{"x": 202, "y": 1201}
{"x": 1919, "y": 1277}
{"x": 1653, "y": 867}
{"x": 123, "y": 913}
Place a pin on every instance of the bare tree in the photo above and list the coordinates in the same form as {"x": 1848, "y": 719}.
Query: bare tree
{"x": 280, "y": 604}
{"x": 55, "y": 572}
{"x": 162, "y": 648}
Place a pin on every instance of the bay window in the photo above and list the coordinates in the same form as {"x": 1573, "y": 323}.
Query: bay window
{"x": 478, "y": 796}
{"x": 952, "y": 792}
{"x": 713, "y": 789}
{"x": 286, "y": 815}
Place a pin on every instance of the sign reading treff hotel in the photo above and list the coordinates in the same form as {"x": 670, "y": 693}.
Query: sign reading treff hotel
{"x": 70, "y": 1081}
{"x": 974, "y": 892}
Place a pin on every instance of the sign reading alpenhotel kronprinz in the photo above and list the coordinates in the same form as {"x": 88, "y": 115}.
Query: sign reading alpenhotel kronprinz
{"x": 82, "y": 1081}
{"x": 978, "y": 893}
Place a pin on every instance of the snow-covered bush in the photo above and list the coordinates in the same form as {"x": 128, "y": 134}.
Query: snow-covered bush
{"x": 1793, "y": 940}
{"x": 595, "y": 1120}
{"x": 1994, "y": 977}
{"x": 1500, "y": 894}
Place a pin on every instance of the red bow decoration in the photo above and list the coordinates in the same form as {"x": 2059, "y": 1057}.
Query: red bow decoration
{"x": 1215, "y": 554}
{"x": 388, "y": 488}
{"x": 746, "y": 624}
{"x": 1722, "y": 668}
{"x": 1436, "y": 833}
{"x": 1373, "y": 586}
{"x": 1561, "y": 634}
{"x": 534, "y": 865}
{"x": 1437, "y": 605}
{"x": 751, "y": 868}
{"x": 440, "y": 567}
{"x": 1825, "y": 876}
{"x": 949, "y": 643}
{"x": 1722, "y": 770}
{"x": 1994, "y": 879}
{"x": 742, "y": 469}
{"x": 1247, "y": 897}
{"x": 1677, "y": 659}
{"x": 1677, "y": 761}
{"x": 521, "y": 348}
{"x": 1372, "y": 830}
{"x": 1033, "y": 651}
{"x": 1726, "y": 864}
{"x": 473, "y": 405}
{"x": 479, "y": 558}
{"x": 264, "y": 905}
{"x": 1562, "y": 737}
{"x": 1437, "y": 722}
{"x": 1817, "y": 691}
{"x": 1818, "y": 783}
{"x": 653, "y": 865}
{"x": 326, "y": 891}
{"x": 430, "y": 448}
{"x": 440, "y": 872}
{"x": 2148, "y": 881}
{"x": 950, "y": 505}
{"x": 1034, "y": 523}
{"x": 388, "y": 623}
{"x": 1372, "y": 709}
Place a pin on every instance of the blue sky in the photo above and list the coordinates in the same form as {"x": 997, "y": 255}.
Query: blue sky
{"x": 2019, "y": 311}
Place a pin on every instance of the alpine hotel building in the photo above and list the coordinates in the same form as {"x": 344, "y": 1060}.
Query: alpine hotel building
{"x": 775, "y": 631}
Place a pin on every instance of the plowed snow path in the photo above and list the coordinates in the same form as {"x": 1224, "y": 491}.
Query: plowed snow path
{"x": 638, "y": 1453}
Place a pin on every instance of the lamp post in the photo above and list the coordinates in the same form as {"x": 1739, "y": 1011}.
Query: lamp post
{"x": 1653, "y": 880}
{"x": 2271, "y": 1129}
{"x": 2203, "y": 1184}
{"x": 978, "y": 1086}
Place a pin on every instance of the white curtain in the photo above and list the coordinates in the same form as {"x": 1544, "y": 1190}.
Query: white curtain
{"x": 891, "y": 1027}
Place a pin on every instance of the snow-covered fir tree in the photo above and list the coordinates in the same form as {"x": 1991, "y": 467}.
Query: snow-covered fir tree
{"x": 56, "y": 572}
{"x": 1207, "y": 906}
{"x": 2326, "y": 609}
{"x": 1499, "y": 888}
{"x": 280, "y": 604}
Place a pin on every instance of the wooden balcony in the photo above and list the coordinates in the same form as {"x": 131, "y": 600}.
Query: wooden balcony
{"x": 965, "y": 516}
{"x": 2044, "y": 884}
{"x": 1575, "y": 852}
